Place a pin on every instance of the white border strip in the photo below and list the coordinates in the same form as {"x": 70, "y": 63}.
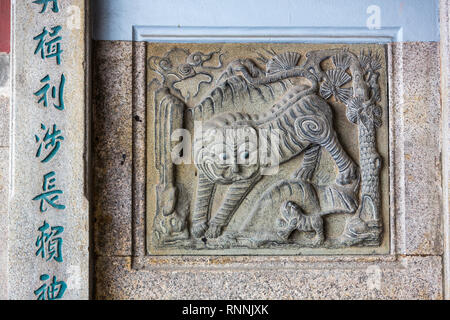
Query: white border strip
{"x": 172, "y": 34}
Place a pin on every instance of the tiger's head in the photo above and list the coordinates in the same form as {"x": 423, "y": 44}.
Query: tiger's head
{"x": 290, "y": 214}
{"x": 227, "y": 154}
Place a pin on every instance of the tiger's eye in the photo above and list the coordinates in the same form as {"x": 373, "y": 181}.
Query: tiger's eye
{"x": 223, "y": 156}
{"x": 245, "y": 155}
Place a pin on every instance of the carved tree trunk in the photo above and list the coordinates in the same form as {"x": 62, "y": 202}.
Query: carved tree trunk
{"x": 370, "y": 162}
{"x": 366, "y": 225}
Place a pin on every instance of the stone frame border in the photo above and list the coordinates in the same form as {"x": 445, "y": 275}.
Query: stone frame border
{"x": 398, "y": 226}
{"x": 444, "y": 14}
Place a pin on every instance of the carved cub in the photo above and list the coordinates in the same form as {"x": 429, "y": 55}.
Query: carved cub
{"x": 292, "y": 218}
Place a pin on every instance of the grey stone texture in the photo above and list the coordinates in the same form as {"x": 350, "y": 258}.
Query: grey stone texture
{"x": 416, "y": 148}
{"x": 4, "y": 70}
{"x": 4, "y": 115}
{"x": 4, "y": 170}
{"x": 70, "y": 163}
{"x": 112, "y": 149}
{"x": 445, "y": 98}
{"x": 412, "y": 269}
{"x": 4, "y": 180}
{"x": 407, "y": 278}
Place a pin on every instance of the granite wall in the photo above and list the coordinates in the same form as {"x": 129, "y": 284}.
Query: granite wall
{"x": 412, "y": 270}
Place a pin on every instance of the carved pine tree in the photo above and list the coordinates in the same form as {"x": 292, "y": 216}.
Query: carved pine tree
{"x": 362, "y": 109}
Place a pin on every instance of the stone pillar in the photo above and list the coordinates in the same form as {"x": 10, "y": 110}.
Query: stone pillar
{"x": 445, "y": 98}
{"x": 4, "y": 139}
{"x": 48, "y": 238}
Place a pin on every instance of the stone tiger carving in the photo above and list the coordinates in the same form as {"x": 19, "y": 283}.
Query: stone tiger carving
{"x": 228, "y": 158}
{"x": 305, "y": 123}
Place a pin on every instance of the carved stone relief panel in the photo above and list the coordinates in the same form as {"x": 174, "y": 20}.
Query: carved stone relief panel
{"x": 273, "y": 149}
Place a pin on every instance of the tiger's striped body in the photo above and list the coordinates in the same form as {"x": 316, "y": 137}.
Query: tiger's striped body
{"x": 304, "y": 121}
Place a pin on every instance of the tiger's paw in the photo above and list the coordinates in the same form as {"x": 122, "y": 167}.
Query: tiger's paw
{"x": 318, "y": 240}
{"x": 198, "y": 229}
{"x": 348, "y": 175}
{"x": 214, "y": 231}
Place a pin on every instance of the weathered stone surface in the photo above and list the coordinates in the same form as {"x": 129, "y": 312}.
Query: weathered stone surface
{"x": 408, "y": 278}
{"x": 112, "y": 132}
{"x": 4, "y": 120}
{"x": 445, "y": 98}
{"x": 336, "y": 276}
{"x": 139, "y": 148}
{"x": 4, "y": 169}
{"x": 416, "y": 117}
{"x": 4, "y": 181}
{"x": 4, "y": 70}
{"x": 215, "y": 207}
{"x": 4, "y": 177}
{"x": 69, "y": 165}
